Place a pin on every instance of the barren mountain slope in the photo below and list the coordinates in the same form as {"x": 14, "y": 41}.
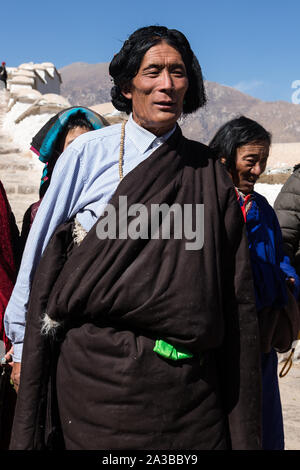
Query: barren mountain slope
{"x": 90, "y": 84}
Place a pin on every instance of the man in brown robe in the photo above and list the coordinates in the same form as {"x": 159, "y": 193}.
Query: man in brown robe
{"x": 151, "y": 341}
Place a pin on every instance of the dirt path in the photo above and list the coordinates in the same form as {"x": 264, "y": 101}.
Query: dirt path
{"x": 290, "y": 398}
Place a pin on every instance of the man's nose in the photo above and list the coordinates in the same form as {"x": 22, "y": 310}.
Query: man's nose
{"x": 256, "y": 169}
{"x": 166, "y": 82}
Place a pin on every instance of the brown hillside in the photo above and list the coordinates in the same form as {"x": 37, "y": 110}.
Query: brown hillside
{"x": 90, "y": 84}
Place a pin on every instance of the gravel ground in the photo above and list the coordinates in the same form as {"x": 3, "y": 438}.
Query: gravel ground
{"x": 290, "y": 399}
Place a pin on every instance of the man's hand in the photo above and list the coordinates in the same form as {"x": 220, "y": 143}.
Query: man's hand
{"x": 16, "y": 369}
{"x": 15, "y": 375}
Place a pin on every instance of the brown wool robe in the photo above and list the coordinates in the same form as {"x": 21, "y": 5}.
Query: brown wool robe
{"x": 102, "y": 386}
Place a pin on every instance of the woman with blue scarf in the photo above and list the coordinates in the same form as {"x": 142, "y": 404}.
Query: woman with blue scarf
{"x": 49, "y": 143}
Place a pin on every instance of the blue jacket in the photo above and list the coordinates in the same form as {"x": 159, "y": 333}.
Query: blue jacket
{"x": 271, "y": 267}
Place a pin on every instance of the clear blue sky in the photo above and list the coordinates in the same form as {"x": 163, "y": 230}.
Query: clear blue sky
{"x": 251, "y": 45}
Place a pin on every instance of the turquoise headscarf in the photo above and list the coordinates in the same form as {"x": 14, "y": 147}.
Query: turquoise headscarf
{"x": 45, "y": 141}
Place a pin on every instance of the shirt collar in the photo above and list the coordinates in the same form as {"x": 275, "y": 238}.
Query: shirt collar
{"x": 143, "y": 139}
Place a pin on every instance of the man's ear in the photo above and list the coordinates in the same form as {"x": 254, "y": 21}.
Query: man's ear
{"x": 223, "y": 160}
{"x": 126, "y": 91}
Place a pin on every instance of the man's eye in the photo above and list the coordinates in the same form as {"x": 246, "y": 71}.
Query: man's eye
{"x": 178, "y": 73}
{"x": 152, "y": 72}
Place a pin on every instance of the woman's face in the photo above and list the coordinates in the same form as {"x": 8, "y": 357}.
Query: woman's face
{"x": 73, "y": 133}
{"x": 251, "y": 162}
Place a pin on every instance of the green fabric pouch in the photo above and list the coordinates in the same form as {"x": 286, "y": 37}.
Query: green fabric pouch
{"x": 168, "y": 351}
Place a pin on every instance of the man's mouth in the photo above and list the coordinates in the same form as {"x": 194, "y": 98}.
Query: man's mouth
{"x": 252, "y": 180}
{"x": 165, "y": 104}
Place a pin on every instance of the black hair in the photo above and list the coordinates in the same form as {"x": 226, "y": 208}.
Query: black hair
{"x": 76, "y": 120}
{"x": 235, "y": 133}
{"x": 125, "y": 65}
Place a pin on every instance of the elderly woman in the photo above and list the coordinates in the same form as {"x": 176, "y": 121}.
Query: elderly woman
{"x": 145, "y": 344}
{"x": 243, "y": 146}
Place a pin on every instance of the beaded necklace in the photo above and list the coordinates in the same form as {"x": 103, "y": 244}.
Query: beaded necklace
{"x": 122, "y": 140}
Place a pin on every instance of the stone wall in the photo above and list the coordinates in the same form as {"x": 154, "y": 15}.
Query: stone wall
{"x": 43, "y": 77}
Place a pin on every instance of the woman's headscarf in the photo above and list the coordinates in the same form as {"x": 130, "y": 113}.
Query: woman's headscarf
{"x": 46, "y": 141}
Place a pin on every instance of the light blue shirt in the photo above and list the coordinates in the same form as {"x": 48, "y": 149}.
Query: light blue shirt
{"x": 83, "y": 181}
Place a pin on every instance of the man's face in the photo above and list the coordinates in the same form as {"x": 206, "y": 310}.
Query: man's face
{"x": 157, "y": 91}
{"x": 251, "y": 161}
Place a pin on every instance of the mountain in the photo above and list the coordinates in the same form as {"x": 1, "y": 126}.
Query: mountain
{"x": 86, "y": 84}
{"x": 89, "y": 84}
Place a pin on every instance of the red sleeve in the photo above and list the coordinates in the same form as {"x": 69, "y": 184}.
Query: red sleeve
{"x": 7, "y": 265}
